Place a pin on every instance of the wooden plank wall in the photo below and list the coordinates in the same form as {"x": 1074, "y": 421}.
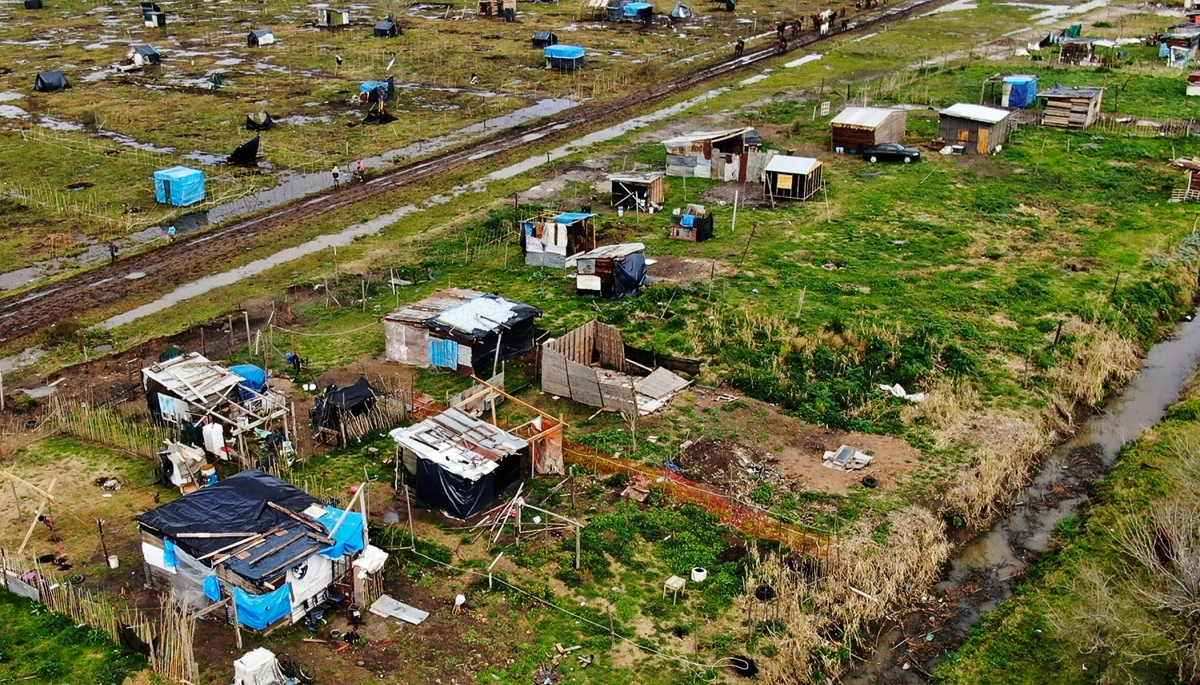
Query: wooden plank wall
{"x": 610, "y": 343}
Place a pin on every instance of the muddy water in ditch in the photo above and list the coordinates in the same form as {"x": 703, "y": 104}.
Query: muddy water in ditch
{"x": 991, "y": 560}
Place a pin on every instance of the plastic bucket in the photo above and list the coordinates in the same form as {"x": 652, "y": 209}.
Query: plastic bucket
{"x": 620, "y": 211}
{"x": 113, "y": 561}
{"x": 208, "y": 474}
{"x": 699, "y": 574}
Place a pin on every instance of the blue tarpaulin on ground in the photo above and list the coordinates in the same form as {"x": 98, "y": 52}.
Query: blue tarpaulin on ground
{"x": 349, "y": 536}
{"x": 260, "y": 611}
{"x": 631, "y": 10}
{"x": 253, "y": 377}
{"x": 212, "y": 588}
{"x": 179, "y": 186}
{"x": 1022, "y": 90}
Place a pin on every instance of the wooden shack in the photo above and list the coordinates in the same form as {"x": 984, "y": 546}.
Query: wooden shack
{"x": 1193, "y": 84}
{"x": 977, "y": 128}
{"x": 544, "y": 39}
{"x": 612, "y": 271}
{"x": 551, "y": 236}
{"x": 792, "y": 178}
{"x": 733, "y": 156}
{"x": 855, "y": 129}
{"x": 693, "y": 223}
{"x": 461, "y": 330}
{"x": 1071, "y": 106}
{"x": 637, "y": 190}
{"x": 330, "y": 18}
{"x": 1192, "y": 190}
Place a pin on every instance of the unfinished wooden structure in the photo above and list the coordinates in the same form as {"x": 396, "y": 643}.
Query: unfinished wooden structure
{"x": 461, "y": 330}
{"x": 637, "y": 190}
{"x": 855, "y": 129}
{"x": 733, "y": 156}
{"x": 1191, "y": 191}
{"x": 977, "y": 128}
{"x": 330, "y": 18}
{"x": 265, "y": 549}
{"x": 550, "y": 237}
{"x": 543, "y": 432}
{"x": 792, "y": 178}
{"x": 591, "y": 366}
{"x": 504, "y": 9}
{"x": 692, "y": 223}
{"x": 217, "y": 404}
{"x": 1071, "y": 106}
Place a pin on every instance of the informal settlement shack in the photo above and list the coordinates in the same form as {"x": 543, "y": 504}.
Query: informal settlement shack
{"x": 1071, "y": 106}
{"x": 274, "y": 550}
{"x": 637, "y": 190}
{"x": 551, "y": 236}
{"x": 855, "y": 129}
{"x": 461, "y": 330}
{"x": 792, "y": 178}
{"x": 612, "y": 271}
{"x": 975, "y": 129}
{"x": 733, "y": 156}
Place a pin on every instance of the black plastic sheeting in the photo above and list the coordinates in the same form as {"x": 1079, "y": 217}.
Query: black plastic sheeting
{"x": 33, "y": 4}
{"x": 246, "y": 154}
{"x": 259, "y": 122}
{"x": 238, "y": 503}
{"x": 629, "y": 275}
{"x": 50, "y": 81}
{"x": 131, "y": 643}
{"x": 376, "y": 117}
{"x": 651, "y": 359}
{"x": 459, "y": 497}
{"x": 352, "y": 399}
{"x": 387, "y": 29}
{"x": 543, "y": 39}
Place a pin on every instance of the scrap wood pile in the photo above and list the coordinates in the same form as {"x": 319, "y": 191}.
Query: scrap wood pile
{"x": 737, "y": 469}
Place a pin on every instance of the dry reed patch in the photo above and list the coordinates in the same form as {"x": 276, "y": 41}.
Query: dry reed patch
{"x": 1006, "y": 445}
{"x": 1101, "y": 359}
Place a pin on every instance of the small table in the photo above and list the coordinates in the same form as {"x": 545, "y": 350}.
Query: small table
{"x": 676, "y": 585}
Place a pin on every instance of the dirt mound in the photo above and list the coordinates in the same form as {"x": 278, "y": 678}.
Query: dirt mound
{"x": 748, "y": 195}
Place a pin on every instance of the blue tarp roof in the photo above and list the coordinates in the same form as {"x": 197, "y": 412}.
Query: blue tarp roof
{"x": 369, "y": 86}
{"x": 1020, "y": 79}
{"x": 632, "y": 8}
{"x": 571, "y": 217}
{"x": 255, "y": 378}
{"x": 564, "y": 51}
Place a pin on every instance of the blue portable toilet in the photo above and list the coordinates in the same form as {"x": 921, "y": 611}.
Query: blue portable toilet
{"x": 1018, "y": 91}
{"x": 564, "y": 57}
{"x": 179, "y": 186}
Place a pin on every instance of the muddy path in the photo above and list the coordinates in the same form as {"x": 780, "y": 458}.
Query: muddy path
{"x": 988, "y": 567}
{"x": 159, "y": 269}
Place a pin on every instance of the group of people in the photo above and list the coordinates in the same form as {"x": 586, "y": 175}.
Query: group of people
{"x": 360, "y": 171}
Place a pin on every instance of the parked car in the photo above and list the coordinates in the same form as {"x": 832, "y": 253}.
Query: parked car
{"x": 891, "y": 152}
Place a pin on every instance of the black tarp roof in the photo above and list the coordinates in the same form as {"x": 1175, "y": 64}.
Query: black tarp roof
{"x": 354, "y": 399}
{"x": 384, "y": 25}
{"x": 246, "y": 154}
{"x": 237, "y": 504}
{"x": 261, "y": 121}
{"x": 146, "y": 51}
{"x": 50, "y": 81}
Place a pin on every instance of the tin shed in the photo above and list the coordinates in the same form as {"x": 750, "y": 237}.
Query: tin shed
{"x": 330, "y": 18}
{"x": 612, "y": 271}
{"x": 387, "y": 29}
{"x": 153, "y": 17}
{"x": 550, "y": 238}
{"x": 460, "y": 330}
{"x": 977, "y": 128}
{"x": 179, "y": 186}
{"x": 544, "y": 39}
{"x": 858, "y": 128}
{"x": 792, "y": 178}
{"x": 733, "y": 155}
{"x": 260, "y": 37}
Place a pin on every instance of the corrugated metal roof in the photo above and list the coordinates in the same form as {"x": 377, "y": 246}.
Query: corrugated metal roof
{"x": 481, "y": 314}
{"x": 987, "y": 115}
{"x": 192, "y": 377}
{"x": 661, "y": 384}
{"x": 630, "y": 177}
{"x": 1088, "y": 92}
{"x": 865, "y": 117}
{"x": 460, "y": 444}
{"x": 699, "y": 136}
{"x": 792, "y": 165}
{"x": 612, "y": 251}
{"x": 435, "y": 304}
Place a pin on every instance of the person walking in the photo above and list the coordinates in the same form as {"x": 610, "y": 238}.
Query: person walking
{"x": 112, "y": 251}
{"x": 362, "y": 170}
{"x": 337, "y": 173}
{"x": 171, "y": 233}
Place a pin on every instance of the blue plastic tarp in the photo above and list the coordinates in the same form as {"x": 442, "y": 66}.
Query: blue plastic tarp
{"x": 564, "y": 51}
{"x": 369, "y": 86}
{"x": 169, "y": 559}
{"x": 571, "y": 217}
{"x": 631, "y": 10}
{"x": 260, "y": 611}
{"x": 348, "y": 538}
{"x": 212, "y": 588}
{"x": 253, "y": 378}
{"x": 1022, "y": 90}
{"x": 687, "y": 220}
{"x": 1164, "y": 50}
{"x": 179, "y": 186}
{"x": 443, "y": 353}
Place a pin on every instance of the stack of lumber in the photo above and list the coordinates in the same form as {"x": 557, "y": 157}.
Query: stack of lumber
{"x": 1071, "y": 112}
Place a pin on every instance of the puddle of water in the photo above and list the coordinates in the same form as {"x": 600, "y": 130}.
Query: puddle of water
{"x": 9, "y": 96}
{"x": 23, "y": 358}
{"x": 802, "y": 61}
{"x": 992, "y": 558}
{"x": 13, "y": 112}
{"x": 58, "y": 124}
{"x": 345, "y": 237}
{"x": 957, "y": 6}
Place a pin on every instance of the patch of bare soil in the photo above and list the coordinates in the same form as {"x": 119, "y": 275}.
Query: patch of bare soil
{"x": 688, "y": 270}
{"x": 748, "y": 195}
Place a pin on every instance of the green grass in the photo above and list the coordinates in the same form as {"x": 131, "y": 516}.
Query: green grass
{"x": 40, "y": 647}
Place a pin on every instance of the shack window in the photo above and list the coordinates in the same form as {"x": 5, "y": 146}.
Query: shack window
{"x": 783, "y": 181}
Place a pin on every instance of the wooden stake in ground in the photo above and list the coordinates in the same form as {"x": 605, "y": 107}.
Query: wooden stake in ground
{"x": 37, "y": 514}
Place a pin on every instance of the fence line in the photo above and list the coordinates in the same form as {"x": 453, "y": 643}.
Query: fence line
{"x": 109, "y": 426}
